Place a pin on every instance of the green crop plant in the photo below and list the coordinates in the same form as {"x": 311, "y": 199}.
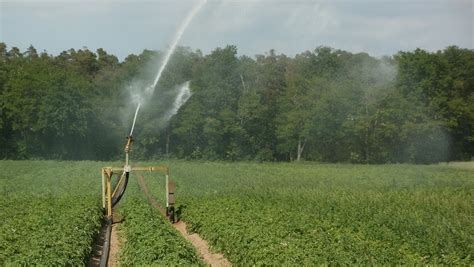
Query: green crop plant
{"x": 50, "y": 212}
{"x": 255, "y": 214}
{"x": 292, "y": 214}
{"x": 150, "y": 239}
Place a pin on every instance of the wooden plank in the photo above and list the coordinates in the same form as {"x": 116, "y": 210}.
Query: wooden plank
{"x": 163, "y": 169}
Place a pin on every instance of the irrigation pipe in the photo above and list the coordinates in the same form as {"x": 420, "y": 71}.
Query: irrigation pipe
{"x": 104, "y": 258}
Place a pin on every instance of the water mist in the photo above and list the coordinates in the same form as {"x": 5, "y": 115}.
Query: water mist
{"x": 184, "y": 93}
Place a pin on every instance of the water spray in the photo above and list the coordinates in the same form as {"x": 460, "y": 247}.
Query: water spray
{"x": 184, "y": 94}
{"x": 135, "y": 119}
{"x": 176, "y": 39}
{"x": 115, "y": 179}
{"x": 149, "y": 90}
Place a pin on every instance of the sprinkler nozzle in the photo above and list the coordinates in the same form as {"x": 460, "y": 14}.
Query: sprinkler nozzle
{"x": 129, "y": 143}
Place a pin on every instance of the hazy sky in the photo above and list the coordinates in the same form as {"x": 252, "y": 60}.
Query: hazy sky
{"x": 254, "y": 26}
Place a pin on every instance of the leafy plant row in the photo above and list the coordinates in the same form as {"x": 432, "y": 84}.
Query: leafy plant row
{"x": 50, "y": 212}
{"x": 149, "y": 238}
{"x": 274, "y": 214}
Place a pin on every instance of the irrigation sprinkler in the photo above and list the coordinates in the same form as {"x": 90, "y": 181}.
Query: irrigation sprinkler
{"x": 114, "y": 184}
{"x": 115, "y": 180}
{"x": 113, "y": 192}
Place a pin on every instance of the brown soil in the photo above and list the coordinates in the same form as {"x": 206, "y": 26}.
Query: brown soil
{"x": 114, "y": 247}
{"x": 201, "y": 245}
{"x": 115, "y": 244}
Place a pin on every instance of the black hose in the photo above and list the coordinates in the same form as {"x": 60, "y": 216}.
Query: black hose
{"x": 104, "y": 258}
{"x": 106, "y": 247}
{"x": 116, "y": 199}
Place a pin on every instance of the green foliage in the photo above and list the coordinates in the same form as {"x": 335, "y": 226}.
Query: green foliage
{"x": 323, "y": 105}
{"x": 50, "y": 212}
{"x": 256, "y": 214}
{"x": 51, "y": 215}
{"x": 150, "y": 239}
{"x": 311, "y": 214}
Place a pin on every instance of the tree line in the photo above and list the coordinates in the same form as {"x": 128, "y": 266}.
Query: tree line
{"x": 323, "y": 105}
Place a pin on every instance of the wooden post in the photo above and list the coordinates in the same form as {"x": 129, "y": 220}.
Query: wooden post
{"x": 109, "y": 195}
{"x": 103, "y": 189}
{"x": 167, "y": 194}
{"x": 108, "y": 192}
{"x": 170, "y": 193}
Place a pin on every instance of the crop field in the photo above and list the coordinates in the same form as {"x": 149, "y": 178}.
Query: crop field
{"x": 253, "y": 213}
{"x": 50, "y": 212}
{"x": 51, "y": 215}
{"x": 329, "y": 213}
{"x": 149, "y": 237}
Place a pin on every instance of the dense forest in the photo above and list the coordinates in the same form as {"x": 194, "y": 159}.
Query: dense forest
{"x": 323, "y": 105}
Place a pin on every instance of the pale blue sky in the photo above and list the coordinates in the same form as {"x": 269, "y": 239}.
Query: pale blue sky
{"x": 254, "y": 26}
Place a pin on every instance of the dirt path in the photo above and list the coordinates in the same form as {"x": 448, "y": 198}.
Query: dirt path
{"x": 114, "y": 247}
{"x": 201, "y": 245}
